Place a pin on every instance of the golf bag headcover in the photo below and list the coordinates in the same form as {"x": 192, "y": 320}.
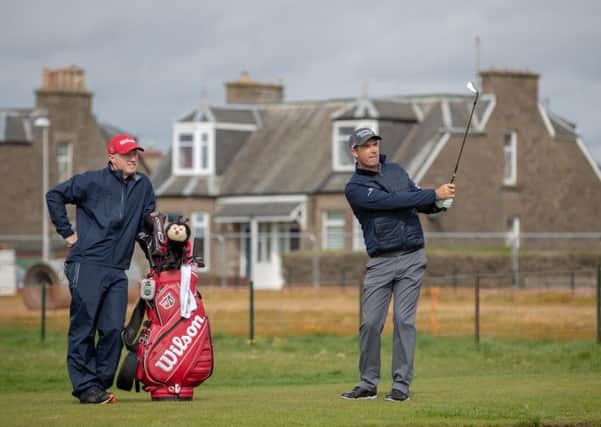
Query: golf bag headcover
{"x": 166, "y": 247}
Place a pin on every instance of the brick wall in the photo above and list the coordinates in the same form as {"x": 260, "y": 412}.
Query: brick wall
{"x": 556, "y": 190}
{"x": 69, "y": 107}
{"x": 348, "y": 268}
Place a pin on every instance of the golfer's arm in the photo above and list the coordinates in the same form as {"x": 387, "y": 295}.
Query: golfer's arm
{"x": 429, "y": 209}
{"x": 370, "y": 198}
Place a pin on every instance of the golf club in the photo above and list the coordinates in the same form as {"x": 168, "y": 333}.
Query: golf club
{"x": 472, "y": 88}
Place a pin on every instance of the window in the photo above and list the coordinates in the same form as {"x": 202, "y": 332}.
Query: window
{"x": 344, "y": 158}
{"x": 341, "y": 153}
{"x": 173, "y": 216}
{"x": 185, "y": 151}
{"x": 333, "y": 230}
{"x": 358, "y": 241}
{"x": 513, "y": 231}
{"x": 510, "y": 158}
{"x": 200, "y": 230}
{"x": 288, "y": 235}
{"x": 194, "y": 149}
{"x": 64, "y": 160}
{"x": 204, "y": 151}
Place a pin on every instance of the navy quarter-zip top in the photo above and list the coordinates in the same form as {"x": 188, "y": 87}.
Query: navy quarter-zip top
{"x": 386, "y": 204}
{"x": 110, "y": 213}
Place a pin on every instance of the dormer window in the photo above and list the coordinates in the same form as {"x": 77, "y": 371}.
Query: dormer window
{"x": 342, "y": 160}
{"x": 186, "y": 151}
{"x": 193, "y": 149}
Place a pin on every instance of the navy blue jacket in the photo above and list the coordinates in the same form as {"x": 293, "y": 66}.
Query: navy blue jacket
{"x": 110, "y": 213}
{"x": 386, "y": 204}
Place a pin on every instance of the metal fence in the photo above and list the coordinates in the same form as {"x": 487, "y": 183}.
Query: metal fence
{"x": 230, "y": 260}
{"x": 541, "y": 286}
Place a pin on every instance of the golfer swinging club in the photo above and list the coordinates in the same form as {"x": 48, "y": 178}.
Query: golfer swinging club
{"x": 111, "y": 204}
{"x": 386, "y": 202}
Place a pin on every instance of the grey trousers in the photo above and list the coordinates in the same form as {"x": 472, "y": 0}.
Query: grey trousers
{"x": 399, "y": 275}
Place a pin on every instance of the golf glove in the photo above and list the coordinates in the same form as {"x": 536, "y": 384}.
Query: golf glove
{"x": 444, "y": 203}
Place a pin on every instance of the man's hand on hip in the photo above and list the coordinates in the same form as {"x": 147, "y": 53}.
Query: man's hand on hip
{"x": 71, "y": 240}
{"x": 445, "y": 191}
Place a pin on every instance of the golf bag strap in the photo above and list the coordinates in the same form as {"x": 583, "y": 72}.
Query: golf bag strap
{"x": 130, "y": 332}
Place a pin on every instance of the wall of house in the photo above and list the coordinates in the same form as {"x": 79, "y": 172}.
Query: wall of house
{"x": 478, "y": 182}
{"x": 321, "y": 203}
{"x": 556, "y": 190}
{"x": 69, "y": 108}
{"x": 20, "y": 192}
{"x": 72, "y": 121}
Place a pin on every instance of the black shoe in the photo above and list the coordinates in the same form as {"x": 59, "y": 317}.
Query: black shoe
{"x": 396, "y": 396}
{"x": 95, "y": 395}
{"x": 359, "y": 393}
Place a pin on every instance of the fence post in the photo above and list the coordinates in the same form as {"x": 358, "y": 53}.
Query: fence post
{"x": 251, "y": 314}
{"x": 515, "y": 260}
{"x": 223, "y": 250}
{"x": 599, "y": 304}
{"x": 455, "y": 279}
{"x": 251, "y": 249}
{"x": 573, "y": 282}
{"x": 43, "y": 313}
{"x": 315, "y": 260}
{"x": 477, "y": 311}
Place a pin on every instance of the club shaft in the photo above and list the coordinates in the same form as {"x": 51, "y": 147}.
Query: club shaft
{"x": 467, "y": 129}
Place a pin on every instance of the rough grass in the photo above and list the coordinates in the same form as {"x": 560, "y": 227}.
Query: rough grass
{"x": 295, "y": 381}
{"x": 543, "y": 314}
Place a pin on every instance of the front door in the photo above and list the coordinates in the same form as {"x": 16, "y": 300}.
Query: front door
{"x": 268, "y": 265}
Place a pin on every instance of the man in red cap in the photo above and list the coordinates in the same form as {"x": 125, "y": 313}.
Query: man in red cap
{"x": 111, "y": 206}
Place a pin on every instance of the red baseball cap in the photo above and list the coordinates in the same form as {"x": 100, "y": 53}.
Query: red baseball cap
{"x": 122, "y": 144}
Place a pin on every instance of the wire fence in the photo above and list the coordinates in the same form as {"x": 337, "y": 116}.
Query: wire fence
{"x": 496, "y": 290}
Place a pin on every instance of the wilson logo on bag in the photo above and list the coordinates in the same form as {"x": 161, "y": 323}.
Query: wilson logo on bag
{"x": 171, "y": 356}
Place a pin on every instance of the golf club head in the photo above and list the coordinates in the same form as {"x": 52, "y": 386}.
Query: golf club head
{"x": 471, "y": 87}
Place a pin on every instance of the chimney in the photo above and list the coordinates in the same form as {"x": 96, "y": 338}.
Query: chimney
{"x": 64, "y": 89}
{"x": 70, "y": 79}
{"x": 511, "y": 86}
{"x": 64, "y": 96}
{"x": 246, "y": 91}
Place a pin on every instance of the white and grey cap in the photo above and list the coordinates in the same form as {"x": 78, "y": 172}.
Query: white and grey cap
{"x": 361, "y": 136}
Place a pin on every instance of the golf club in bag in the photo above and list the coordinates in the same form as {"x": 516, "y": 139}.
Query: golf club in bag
{"x": 174, "y": 351}
{"x": 472, "y": 88}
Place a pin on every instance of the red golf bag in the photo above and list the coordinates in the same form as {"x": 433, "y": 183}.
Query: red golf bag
{"x": 174, "y": 352}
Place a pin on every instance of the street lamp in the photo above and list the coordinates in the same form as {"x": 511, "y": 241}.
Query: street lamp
{"x": 44, "y": 123}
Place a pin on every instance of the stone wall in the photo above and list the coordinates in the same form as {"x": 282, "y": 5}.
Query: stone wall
{"x": 444, "y": 268}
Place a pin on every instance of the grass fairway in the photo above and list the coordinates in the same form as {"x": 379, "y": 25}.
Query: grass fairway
{"x": 295, "y": 381}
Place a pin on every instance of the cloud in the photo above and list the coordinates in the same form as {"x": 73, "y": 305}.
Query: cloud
{"x": 148, "y": 64}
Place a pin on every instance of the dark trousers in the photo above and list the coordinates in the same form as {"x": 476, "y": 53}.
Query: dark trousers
{"x": 98, "y": 303}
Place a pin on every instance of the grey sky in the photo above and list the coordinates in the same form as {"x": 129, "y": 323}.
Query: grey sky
{"x": 147, "y": 64}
